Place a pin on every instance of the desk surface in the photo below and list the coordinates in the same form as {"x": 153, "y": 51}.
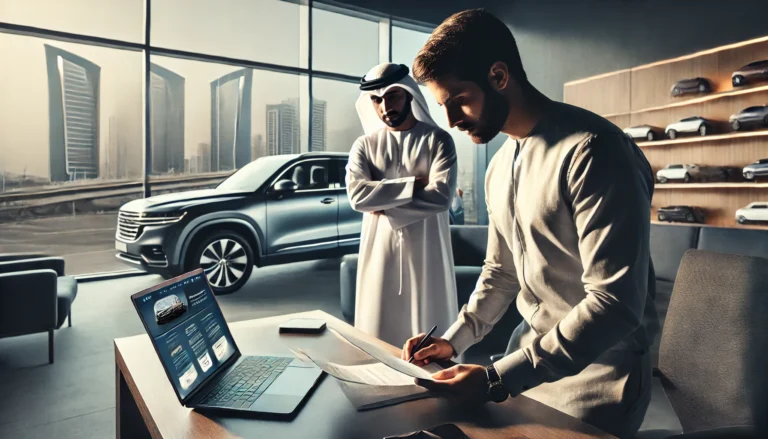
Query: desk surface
{"x": 327, "y": 413}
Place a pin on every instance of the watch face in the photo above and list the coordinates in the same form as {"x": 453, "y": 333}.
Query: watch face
{"x": 498, "y": 393}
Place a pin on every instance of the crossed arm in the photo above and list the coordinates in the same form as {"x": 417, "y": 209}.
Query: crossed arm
{"x": 403, "y": 200}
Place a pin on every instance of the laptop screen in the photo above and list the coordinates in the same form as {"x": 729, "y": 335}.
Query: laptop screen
{"x": 187, "y": 328}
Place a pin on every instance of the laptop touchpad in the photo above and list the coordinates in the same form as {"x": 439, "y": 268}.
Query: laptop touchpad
{"x": 293, "y": 381}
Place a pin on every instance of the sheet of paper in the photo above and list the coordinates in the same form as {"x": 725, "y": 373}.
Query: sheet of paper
{"x": 375, "y": 374}
{"x": 387, "y": 358}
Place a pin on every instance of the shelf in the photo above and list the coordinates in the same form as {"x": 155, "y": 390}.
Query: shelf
{"x": 710, "y": 97}
{"x": 735, "y": 225}
{"x": 749, "y": 185}
{"x": 701, "y": 139}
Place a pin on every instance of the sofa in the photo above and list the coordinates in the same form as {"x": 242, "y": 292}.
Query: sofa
{"x": 35, "y": 296}
{"x": 468, "y": 244}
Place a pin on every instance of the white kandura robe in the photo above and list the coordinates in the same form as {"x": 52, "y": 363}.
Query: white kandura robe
{"x": 405, "y": 276}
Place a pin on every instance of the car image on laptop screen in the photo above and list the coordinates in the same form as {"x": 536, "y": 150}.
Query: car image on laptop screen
{"x": 168, "y": 309}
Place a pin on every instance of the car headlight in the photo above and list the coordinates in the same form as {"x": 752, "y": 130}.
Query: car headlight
{"x": 159, "y": 218}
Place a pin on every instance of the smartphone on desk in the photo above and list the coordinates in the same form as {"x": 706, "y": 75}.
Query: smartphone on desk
{"x": 445, "y": 431}
{"x": 302, "y": 326}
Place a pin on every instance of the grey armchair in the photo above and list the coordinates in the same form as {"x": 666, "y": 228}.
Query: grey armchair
{"x": 35, "y": 296}
{"x": 714, "y": 346}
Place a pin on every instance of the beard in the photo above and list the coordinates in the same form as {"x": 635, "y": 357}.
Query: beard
{"x": 396, "y": 118}
{"x": 493, "y": 115}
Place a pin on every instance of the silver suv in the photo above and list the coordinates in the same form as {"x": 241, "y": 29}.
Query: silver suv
{"x": 277, "y": 209}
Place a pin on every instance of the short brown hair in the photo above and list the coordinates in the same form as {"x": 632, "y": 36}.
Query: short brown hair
{"x": 465, "y": 46}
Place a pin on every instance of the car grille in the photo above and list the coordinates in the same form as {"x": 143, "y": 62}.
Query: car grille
{"x": 128, "y": 227}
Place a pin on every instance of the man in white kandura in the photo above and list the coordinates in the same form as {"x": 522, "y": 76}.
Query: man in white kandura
{"x": 402, "y": 175}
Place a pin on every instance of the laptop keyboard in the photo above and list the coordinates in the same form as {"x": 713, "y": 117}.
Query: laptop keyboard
{"x": 247, "y": 382}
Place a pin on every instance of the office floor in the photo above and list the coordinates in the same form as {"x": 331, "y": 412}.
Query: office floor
{"x": 75, "y": 396}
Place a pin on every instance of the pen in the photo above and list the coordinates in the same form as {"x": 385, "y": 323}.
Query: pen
{"x": 421, "y": 342}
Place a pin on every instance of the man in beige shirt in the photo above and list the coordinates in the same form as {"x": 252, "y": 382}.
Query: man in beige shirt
{"x": 568, "y": 199}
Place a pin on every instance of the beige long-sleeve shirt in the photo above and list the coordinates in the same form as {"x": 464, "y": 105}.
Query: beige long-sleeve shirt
{"x": 568, "y": 239}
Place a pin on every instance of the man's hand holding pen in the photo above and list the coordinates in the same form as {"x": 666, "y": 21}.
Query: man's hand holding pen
{"x": 467, "y": 382}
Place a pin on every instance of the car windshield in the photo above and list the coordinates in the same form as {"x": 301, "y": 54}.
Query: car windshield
{"x": 675, "y": 167}
{"x": 762, "y": 161}
{"x": 687, "y": 119}
{"x": 251, "y": 176}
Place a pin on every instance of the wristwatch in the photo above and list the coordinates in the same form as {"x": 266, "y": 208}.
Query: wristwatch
{"x": 496, "y": 390}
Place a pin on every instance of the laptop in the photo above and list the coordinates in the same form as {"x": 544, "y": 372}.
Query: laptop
{"x": 202, "y": 360}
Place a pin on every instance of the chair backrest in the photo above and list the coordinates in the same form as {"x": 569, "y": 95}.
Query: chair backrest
{"x": 469, "y": 244}
{"x": 714, "y": 347}
{"x": 27, "y": 302}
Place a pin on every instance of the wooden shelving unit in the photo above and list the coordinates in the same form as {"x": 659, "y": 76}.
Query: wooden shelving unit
{"x": 705, "y": 139}
{"x": 641, "y": 96}
{"x": 694, "y": 186}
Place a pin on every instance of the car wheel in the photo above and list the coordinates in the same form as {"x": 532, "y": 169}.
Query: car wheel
{"x": 738, "y": 80}
{"x": 765, "y": 121}
{"x": 742, "y": 220}
{"x": 687, "y": 177}
{"x": 690, "y": 218}
{"x": 662, "y": 179}
{"x": 227, "y": 260}
{"x": 672, "y": 134}
{"x": 735, "y": 125}
{"x": 651, "y": 137}
{"x": 675, "y": 91}
{"x": 662, "y": 217}
{"x": 749, "y": 175}
{"x": 702, "y": 88}
{"x": 703, "y": 130}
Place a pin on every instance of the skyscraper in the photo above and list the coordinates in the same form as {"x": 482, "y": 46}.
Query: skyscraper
{"x": 73, "y": 102}
{"x": 318, "y": 125}
{"x": 283, "y": 127}
{"x": 167, "y": 127}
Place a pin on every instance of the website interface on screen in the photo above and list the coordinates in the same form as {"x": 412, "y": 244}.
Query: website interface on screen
{"x": 189, "y": 331}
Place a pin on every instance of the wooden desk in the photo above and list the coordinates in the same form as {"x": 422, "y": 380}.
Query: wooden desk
{"x": 147, "y": 406}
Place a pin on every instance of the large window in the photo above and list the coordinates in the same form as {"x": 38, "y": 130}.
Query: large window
{"x": 89, "y": 122}
{"x": 343, "y": 43}
{"x": 114, "y": 19}
{"x": 259, "y": 30}
{"x": 70, "y": 119}
{"x": 220, "y": 118}
{"x": 338, "y": 113}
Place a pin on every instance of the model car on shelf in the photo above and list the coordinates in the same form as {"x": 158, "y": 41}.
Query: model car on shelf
{"x": 753, "y": 212}
{"x": 692, "y": 85}
{"x": 751, "y": 72}
{"x": 687, "y": 214}
{"x": 757, "y": 169}
{"x": 645, "y": 132}
{"x": 694, "y": 124}
{"x": 690, "y": 171}
{"x": 751, "y": 117}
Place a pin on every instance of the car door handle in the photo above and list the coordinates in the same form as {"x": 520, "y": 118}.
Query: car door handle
{"x": 328, "y": 200}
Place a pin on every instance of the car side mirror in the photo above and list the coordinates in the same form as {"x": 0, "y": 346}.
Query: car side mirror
{"x": 285, "y": 186}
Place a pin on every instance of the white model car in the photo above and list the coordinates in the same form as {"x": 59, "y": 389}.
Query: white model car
{"x": 693, "y": 124}
{"x": 645, "y": 132}
{"x": 678, "y": 172}
{"x": 754, "y": 212}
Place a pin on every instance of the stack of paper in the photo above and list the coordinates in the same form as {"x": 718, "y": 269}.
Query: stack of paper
{"x": 386, "y": 381}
